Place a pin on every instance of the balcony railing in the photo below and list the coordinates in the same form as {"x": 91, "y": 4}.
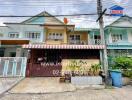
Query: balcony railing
{"x": 95, "y": 41}
{"x": 77, "y": 42}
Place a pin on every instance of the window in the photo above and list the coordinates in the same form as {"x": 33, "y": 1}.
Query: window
{"x": 55, "y": 36}
{"x": 13, "y": 34}
{"x": 97, "y": 39}
{"x": 74, "y": 39}
{"x": 32, "y": 35}
{"x": 116, "y": 37}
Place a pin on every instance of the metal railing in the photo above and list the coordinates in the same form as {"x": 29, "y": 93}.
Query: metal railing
{"x": 95, "y": 41}
{"x": 13, "y": 66}
{"x": 77, "y": 42}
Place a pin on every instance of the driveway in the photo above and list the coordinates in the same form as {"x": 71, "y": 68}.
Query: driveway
{"x": 42, "y": 85}
{"x": 124, "y": 93}
{"x": 7, "y": 83}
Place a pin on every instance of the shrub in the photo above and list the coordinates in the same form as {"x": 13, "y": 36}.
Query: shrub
{"x": 124, "y": 64}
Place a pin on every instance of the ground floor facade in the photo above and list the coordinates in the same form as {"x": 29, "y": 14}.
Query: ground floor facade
{"x": 44, "y": 60}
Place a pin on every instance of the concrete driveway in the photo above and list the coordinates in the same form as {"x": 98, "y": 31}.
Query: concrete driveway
{"x": 42, "y": 85}
{"x": 7, "y": 83}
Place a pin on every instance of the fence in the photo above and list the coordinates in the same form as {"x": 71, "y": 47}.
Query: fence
{"x": 13, "y": 66}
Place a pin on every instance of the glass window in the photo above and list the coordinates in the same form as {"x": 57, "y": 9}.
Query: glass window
{"x": 74, "y": 39}
{"x": 55, "y": 36}
{"x": 116, "y": 37}
{"x": 32, "y": 35}
{"x": 13, "y": 35}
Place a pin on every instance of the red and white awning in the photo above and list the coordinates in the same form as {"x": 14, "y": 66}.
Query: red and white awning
{"x": 47, "y": 46}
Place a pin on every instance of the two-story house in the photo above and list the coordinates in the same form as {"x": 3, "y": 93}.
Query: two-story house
{"x": 14, "y": 35}
{"x": 49, "y": 44}
{"x": 118, "y": 37}
{"x": 61, "y": 43}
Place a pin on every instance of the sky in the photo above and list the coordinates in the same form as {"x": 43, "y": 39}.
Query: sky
{"x": 60, "y": 7}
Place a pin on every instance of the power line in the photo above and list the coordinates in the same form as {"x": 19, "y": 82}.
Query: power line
{"x": 48, "y": 15}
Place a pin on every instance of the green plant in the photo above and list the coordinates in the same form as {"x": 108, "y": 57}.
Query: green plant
{"x": 127, "y": 73}
{"x": 73, "y": 66}
{"x": 94, "y": 70}
{"x": 124, "y": 64}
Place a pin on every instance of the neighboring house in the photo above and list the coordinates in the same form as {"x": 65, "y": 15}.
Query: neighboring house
{"x": 119, "y": 38}
{"x": 14, "y": 35}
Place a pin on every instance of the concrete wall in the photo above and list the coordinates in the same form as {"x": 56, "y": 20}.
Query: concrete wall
{"x": 83, "y": 36}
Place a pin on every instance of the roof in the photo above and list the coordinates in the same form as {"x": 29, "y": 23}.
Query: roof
{"x": 121, "y": 19}
{"x": 42, "y": 14}
{"x": 116, "y": 7}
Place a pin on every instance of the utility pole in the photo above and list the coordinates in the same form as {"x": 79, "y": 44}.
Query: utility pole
{"x": 103, "y": 41}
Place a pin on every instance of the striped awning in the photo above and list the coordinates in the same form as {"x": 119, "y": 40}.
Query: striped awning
{"x": 46, "y": 46}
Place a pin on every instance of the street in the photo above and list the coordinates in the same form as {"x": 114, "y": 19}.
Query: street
{"x": 124, "y": 93}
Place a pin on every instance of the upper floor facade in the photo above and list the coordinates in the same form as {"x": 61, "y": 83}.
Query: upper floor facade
{"x": 48, "y": 30}
{"x": 118, "y": 35}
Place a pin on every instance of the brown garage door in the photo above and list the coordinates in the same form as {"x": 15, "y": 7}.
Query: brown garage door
{"x": 37, "y": 70}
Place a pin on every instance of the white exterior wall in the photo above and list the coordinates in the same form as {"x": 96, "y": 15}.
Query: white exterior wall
{"x": 129, "y": 36}
{"x": 21, "y": 29}
{"x": 3, "y": 30}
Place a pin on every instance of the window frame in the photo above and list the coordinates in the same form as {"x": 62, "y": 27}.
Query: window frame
{"x": 13, "y": 34}
{"x": 73, "y": 38}
{"x": 116, "y": 37}
{"x": 57, "y": 36}
{"x": 33, "y": 34}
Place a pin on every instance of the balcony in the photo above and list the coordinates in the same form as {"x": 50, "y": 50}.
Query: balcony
{"x": 95, "y": 42}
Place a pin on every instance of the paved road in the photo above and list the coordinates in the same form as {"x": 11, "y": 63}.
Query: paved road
{"x": 124, "y": 93}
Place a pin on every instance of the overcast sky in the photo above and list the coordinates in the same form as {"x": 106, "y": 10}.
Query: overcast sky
{"x": 58, "y": 7}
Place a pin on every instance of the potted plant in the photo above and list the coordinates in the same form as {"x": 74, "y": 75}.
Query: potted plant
{"x": 95, "y": 69}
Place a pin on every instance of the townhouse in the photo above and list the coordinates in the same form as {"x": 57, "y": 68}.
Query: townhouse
{"x": 62, "y": 43}
{"x": 49, "y": 44}
{"x": 119, "y": 38}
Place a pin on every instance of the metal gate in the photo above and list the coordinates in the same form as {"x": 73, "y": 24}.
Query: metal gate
{"x": 13, "y": 66}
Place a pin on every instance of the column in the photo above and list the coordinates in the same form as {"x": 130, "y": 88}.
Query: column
{"x": 65, "y": 35}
